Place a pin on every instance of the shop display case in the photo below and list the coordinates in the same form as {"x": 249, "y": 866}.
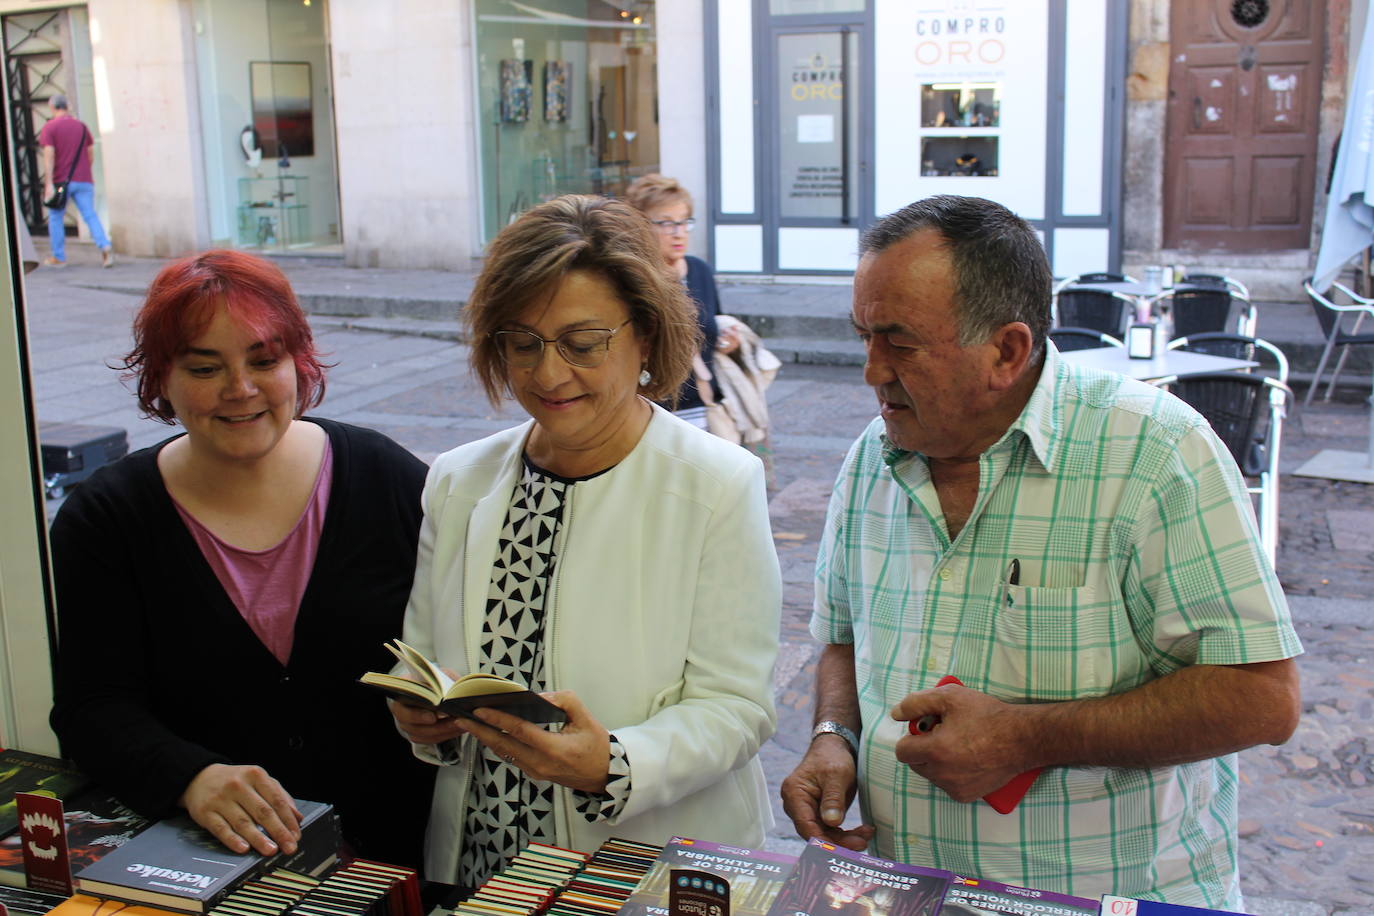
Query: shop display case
{"x": 274, "y": 212}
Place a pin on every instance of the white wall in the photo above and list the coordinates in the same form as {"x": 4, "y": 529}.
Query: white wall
{"x": 145, "y": 86}
{"x": 682, "y": 102}
{"x": 403, "y": 110}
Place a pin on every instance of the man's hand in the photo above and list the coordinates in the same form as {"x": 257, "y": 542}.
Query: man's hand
{"x": 977, "y": 747}
{"x": 818, "y": 792}
{"x": 232, "y": 802}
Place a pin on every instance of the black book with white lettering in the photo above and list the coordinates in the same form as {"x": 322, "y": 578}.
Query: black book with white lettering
{"x": 178, "y": 865}
{"x": 754, "y": 876}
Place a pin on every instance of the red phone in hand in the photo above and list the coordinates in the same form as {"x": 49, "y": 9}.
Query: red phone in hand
{"x": 1002, "y": 800}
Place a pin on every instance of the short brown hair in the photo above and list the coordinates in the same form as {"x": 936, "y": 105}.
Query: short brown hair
{"x": 653, "y": 191}
{"x": 181, "y": 303}
{"x": 531, "y": 256}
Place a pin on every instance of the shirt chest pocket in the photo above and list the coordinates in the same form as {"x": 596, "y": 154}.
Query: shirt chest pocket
{"x": 1058, "y": 643}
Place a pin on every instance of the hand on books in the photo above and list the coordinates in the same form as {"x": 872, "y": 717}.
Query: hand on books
{"x": 232, "y": 802}
{"x": 819, "y": 791}
{"x": 977, "y": 747}
{"x": 578, "y": 755}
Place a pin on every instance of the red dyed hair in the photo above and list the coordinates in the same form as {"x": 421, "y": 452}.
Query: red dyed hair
{"x": 181, "y": 303}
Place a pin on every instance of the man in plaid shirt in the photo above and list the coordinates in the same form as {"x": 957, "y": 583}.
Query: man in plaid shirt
{"x": 1077, "y": 548}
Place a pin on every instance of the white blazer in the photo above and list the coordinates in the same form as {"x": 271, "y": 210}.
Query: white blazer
{"x": 662, "y": 616}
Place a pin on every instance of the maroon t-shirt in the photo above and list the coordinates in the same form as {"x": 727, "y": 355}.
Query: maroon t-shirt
{"x": 68, "y": 137}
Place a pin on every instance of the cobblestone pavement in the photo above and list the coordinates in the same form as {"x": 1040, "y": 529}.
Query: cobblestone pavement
{"x": 1307, "y": 807}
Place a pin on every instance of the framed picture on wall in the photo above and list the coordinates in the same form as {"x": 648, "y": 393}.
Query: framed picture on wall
{"x": 283, "y": 112}
{"x": 557, "y": 77}
{"x": 517, "y": 79}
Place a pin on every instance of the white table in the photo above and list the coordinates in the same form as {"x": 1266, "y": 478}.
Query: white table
{"x": 1170, "y": 362}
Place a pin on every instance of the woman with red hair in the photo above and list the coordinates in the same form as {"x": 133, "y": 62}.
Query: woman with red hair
{"x": 219, "y": 593}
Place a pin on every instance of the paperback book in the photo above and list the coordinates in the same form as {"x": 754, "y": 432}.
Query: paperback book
{"x": 1126, "y": 906}
{"x": 21, "y": 771}
{"x": 431, "y": 687}
{"x": 754, "y": 876}
{"x": 833, "y": 880}
{"x": 177, "y": 865}
{"x": 97, "y": 824}
{"x": 981, "y": 897}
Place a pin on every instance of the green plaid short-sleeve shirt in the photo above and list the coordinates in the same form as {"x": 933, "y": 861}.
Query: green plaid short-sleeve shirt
{"x": 1138, "y": 554}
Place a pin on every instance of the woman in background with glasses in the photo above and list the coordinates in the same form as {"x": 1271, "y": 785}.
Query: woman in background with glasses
{"x": 669, "y": 208}
{"x": 604, "y": 550}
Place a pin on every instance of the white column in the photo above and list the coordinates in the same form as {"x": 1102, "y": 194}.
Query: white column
{"x": 149, "y": 126}
{"x": 403, "y": 91}
{"x": 682, "y": 102}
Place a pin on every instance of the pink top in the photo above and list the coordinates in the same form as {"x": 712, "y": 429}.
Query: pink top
{"x": 267, "y": 585}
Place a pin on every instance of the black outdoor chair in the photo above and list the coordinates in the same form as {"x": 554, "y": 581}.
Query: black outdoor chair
{"x": 1093, "y": 309}
{"x": 1234, "y": 346}
{"x": 1217, "y": 281}
{"x": 1330, "y": 315}
{"x": 1102, "y": 277}
{"x": 1066, "y": 339}
{"x": 1246, "y": 412}
{"x": 1208, "y": 310}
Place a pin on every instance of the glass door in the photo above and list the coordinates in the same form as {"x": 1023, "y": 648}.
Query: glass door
{"x": 819, "y": 170}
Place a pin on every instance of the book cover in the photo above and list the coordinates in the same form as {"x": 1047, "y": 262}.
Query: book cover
{"x": 981, "y": 897}
{"x": 29, "y": 902}
{"x": 1126, "y": 906}
{"x": 840, "y": 882}
{"x": 755, "y": 876}
{"x": 21, "y": 771}
{"x": 84, "y": 905}
{"x": 178, "y": 865}
{"x": 96, "y": 824}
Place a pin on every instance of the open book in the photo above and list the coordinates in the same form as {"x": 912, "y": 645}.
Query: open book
{"x": 431, "y": 687}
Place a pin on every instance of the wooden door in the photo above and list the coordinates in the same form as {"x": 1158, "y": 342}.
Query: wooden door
{"x": 1241, "y": 135}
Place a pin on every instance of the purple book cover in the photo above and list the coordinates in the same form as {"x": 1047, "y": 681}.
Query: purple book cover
{"x": 981, "y": 897}
{"x": 755, "y": 876}
{"x": 835, "y": 881}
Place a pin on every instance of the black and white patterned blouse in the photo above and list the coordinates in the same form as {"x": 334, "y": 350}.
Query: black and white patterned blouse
{"x": 507, "y": 810}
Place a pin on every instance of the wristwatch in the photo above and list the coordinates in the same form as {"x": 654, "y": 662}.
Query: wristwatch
{"x": 828, "y": 727}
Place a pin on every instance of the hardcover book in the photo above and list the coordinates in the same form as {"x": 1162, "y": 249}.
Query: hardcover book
{"x": 981, "y": 897}
{"x": 833, "y": 880}
{"x": 754, "y": 876}
{"x": 178, "y": 865}
{"x": 21, "y": 771}
{"x": 433, "y": 688}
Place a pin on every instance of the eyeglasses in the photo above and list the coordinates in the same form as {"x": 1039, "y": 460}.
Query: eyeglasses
{"x": 585, "y": 348}
{"x": 671, "y": 226}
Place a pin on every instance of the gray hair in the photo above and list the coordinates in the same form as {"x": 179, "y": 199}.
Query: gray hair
{"x": 1001, "y": 273}
{"x": 58, "y": 101}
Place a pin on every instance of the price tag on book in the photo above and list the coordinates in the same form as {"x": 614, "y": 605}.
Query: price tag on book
{"x": 697, "y": 893}
{"x": 43, "y": 833}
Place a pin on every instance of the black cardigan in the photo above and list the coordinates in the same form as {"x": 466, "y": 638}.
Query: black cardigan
{"x": 701, "y": 287}
{"x": 159, "y": 676}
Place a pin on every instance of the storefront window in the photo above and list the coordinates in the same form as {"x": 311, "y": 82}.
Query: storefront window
{"x": 971, "y": 110}
{"x": 267, "y": 124}
{"x": 567, "y": 101}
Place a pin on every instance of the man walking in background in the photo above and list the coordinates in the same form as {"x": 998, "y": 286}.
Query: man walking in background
{"x": 66, "y": 144}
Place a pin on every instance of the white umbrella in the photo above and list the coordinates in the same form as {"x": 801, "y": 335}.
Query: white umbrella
{"x": 1349, "y": 226}
{"x": 1349, "y": 229}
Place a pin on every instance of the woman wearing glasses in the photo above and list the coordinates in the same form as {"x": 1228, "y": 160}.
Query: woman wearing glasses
{"x": 669, "y": 207}
{"x": 604, "y": 550}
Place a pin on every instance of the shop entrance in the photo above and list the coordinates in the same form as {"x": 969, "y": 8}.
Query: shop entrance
{"x": 1241, "y": 147}
{"x": 38, "y": 52}
{"x": 818, "y": 190}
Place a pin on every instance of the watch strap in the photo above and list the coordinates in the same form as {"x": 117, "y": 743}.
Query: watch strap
{"x": 829, "y": 727}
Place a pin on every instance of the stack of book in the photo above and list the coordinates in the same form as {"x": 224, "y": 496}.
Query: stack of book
{"x": 607, "y": 880}
{"x": 527, "y": 885}
{"x": 97, "y": 824}
{"x": 270, "y": 894}
{"x": 360, "y": 888}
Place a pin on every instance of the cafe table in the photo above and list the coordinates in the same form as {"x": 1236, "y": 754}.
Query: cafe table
{"x": 1179, "y": 363}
